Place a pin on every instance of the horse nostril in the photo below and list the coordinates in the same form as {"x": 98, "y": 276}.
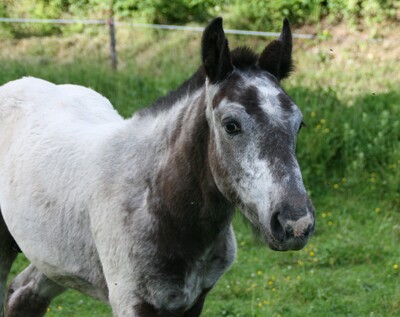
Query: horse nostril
{"x": 277, "y": 229}
{"x": 289, "y": 232}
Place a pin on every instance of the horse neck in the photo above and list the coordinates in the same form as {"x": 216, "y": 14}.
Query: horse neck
{"x": 186, "y": 201}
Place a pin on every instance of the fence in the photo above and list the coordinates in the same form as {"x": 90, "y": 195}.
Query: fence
{"x": 112, "y": 24}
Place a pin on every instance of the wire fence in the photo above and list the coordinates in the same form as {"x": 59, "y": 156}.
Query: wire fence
{"x": 112, "y": 24}
{"x": 152, "y": 26}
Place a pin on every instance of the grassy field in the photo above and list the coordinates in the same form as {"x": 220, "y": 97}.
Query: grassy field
{"x": 349, "y": 153}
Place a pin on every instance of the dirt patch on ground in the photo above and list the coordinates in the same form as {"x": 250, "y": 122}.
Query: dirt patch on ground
{"x": 343, "y": 42}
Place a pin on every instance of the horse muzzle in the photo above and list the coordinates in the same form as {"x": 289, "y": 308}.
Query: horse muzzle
{"x": 290, "y": 230}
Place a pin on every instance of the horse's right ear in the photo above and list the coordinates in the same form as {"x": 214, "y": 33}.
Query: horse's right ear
{"x": 215, "y": 52}
{"x": 277, "y": 56}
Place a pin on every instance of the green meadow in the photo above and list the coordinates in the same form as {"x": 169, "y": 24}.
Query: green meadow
{"x": 349, "y": 153}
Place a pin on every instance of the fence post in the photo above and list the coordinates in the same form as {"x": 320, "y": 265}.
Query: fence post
{"x": 113, "y": 43}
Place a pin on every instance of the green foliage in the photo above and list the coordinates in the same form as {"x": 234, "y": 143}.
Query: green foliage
{"x": 4, "y": 29}
{"x": 264, "y": 14}
{"x": 358, "y": 143}
{"x": 251, "y": 14}
{"x": 34, "y": 9}
{"x": 164, "y": 11}
{"x": 372, "y": 11}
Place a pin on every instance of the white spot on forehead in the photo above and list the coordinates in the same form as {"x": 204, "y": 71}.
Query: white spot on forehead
{"x": 265, "y": 85}
{"x": 269, "y": 93}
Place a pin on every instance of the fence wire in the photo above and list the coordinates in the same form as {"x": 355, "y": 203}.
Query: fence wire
{"x": 151, "y": 26}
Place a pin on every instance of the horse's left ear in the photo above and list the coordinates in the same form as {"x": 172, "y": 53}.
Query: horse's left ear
{"x": 215, "y": 52}
{"x": 277, "y": 56}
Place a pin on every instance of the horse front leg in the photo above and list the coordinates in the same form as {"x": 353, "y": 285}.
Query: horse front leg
{"x": 8, "y": 253}
{"x": 30, "y": 293}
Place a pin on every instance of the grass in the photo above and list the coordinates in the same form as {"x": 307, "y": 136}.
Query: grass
{"x": 350, "y": 158}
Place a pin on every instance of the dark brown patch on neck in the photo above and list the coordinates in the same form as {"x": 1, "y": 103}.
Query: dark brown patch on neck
{"x": 189, "y": 209}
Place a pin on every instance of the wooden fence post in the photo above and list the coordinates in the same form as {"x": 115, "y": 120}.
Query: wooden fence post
{"x": 113, "y": 42}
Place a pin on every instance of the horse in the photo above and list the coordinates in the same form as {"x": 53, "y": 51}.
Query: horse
{"x": 138, "y": 212}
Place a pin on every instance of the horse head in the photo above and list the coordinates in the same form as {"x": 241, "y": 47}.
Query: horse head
{"x": 253, "y": 127}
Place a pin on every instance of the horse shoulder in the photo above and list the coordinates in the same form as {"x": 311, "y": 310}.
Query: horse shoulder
{"x": 95, "y": 106}
{"x": 31, "y": 94}
{"x": 15, "y": 94}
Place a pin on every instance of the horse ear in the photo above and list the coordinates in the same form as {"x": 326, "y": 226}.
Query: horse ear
{"x": 215, "y": 52}
{"x": 277, "y": 56}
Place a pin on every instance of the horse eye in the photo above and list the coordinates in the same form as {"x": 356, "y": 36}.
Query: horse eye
{"x": 302, "y": 124}
{"x": 232, "y": 127}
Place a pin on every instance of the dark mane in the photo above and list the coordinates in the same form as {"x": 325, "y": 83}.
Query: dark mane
{"x": 243, "y": 58}
{"x": 189, "y": 86}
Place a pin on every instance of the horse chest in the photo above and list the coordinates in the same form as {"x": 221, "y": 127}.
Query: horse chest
{"x": 182, "y": 296}
{"x": 202, "y": 276}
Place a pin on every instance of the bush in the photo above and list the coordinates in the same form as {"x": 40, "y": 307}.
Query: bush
{"x": 265, "y": 14}
{"x": 369, "y": 11}
{"x": 251, "y": 14}
{"x": 165, "y": 11}
{"x": 43, "y": 9}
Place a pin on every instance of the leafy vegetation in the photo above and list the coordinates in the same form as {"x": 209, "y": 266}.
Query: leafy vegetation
{"x": 253, "y": 14}
{"x": 349, "y": 153}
